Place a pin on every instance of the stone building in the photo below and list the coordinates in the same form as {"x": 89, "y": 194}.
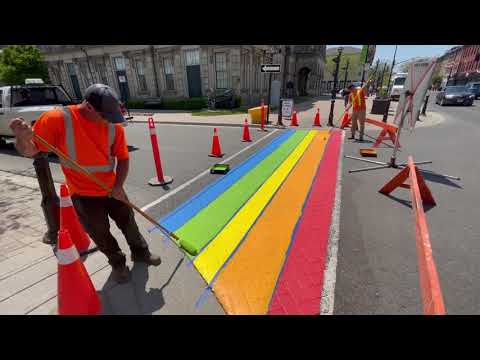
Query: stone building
{"x": 152, "y": 72}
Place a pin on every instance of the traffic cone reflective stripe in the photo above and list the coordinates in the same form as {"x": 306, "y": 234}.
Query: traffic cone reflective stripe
{"x": 76, "y": 293}
{"x": 69, "y": 221}
{"x": 216, "y": 150}
{"x": 67, "y": 256}
{"x": 246, "y": 132}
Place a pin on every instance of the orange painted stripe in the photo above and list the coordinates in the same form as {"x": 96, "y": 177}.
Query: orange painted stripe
{"x": 246, "y": 285}
{"x": 429, "y": 283}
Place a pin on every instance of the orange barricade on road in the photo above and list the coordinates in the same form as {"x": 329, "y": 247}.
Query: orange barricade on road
{"x": 388, "y": 132}
{"x": 429, "y": 283}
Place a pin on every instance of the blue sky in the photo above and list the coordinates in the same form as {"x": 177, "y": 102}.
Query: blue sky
{"x": 405, "y": 52}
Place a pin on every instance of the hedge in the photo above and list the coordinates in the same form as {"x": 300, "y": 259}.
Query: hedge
{"x": 170, "y": 104}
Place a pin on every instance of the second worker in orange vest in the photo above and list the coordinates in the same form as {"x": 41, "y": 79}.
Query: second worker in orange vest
{"x": 92, "y": 135}
{"x": 359, "y": 113}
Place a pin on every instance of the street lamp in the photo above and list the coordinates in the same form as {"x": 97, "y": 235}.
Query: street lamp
{"x": 334, "y": 90}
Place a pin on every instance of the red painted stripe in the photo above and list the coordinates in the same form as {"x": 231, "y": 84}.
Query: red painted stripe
{"x": 299, "y": 288}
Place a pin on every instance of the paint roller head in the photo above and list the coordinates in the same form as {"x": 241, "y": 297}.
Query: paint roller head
{"x": 189, "y": 247}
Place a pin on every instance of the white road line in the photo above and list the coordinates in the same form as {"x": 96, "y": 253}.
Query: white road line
{"x": 330, "y": 275}
{"x": 207, "y": 171}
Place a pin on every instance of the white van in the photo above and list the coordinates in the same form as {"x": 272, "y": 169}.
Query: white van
{"x": 398, "y": 81}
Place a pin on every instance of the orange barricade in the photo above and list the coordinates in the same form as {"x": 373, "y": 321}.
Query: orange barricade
{"x": 388, "y": 132}
{"x": 429, "y": 283}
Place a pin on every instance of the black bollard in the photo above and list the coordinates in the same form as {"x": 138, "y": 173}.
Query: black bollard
{"x": 50, "y": 201}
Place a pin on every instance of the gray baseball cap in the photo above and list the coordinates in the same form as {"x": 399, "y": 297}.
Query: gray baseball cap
{"x": 104, "y": 100}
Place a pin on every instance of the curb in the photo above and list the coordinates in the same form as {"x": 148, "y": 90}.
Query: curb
{"x": 206, "y": 124}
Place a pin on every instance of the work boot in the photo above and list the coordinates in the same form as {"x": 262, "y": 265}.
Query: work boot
{"x": 121, "y": 274}
{"x": 149, "y": 259}
{"x": 352, "y": 137}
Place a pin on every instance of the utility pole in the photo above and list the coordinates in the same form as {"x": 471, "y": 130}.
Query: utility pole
{"x": 385, "y": 115}
{"x": 363, "y": 65}
{"x": 270, "y": 61}
{"x": 334, "y": 90}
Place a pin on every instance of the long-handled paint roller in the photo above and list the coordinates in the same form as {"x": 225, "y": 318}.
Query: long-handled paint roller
{"x": 101, "y": 184}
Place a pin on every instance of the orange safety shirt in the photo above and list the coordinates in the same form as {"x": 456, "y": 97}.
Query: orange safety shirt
{"x": 357, "y": 98}
{"x": 91, "y": 144}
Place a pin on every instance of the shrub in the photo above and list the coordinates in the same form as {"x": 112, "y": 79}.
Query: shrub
{"x": 184, "y": 104}
{"x": 135, "y": 104}
{"x": 238, "y": 101}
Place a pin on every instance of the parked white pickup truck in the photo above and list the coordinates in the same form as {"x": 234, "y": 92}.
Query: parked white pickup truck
{"x": 28, "y": 101}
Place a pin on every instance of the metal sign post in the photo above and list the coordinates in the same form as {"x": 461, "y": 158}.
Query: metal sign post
{"x": 270, "y": 69}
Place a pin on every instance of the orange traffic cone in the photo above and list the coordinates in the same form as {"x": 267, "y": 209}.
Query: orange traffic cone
{"x": 76, "y": 293}
{"x": 216, "y": 150}
{"x": 294, "y": 121}
{"x": 69, "y": 221}
{"x": 316, "y": 122}
{"x": 345, "y": 121}
{"x": 246, "y": 132}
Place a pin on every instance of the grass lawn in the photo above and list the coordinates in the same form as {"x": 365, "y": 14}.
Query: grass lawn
{"x": 219, "y": 112}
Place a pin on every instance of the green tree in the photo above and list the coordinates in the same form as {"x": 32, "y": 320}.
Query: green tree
{"x": 19, "y": 62}
{"x": 437, "y": 80}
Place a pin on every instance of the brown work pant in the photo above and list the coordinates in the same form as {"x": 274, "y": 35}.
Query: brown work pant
{"x": 93, "y": 213}
{"x": 361, "y": 116}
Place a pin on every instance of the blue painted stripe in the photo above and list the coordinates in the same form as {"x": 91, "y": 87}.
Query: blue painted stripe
{"x": 178, "y": 217}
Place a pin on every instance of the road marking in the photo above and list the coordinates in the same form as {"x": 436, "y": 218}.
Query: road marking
{"x": 330, "y": 275}
{"x": 203, "y": 173}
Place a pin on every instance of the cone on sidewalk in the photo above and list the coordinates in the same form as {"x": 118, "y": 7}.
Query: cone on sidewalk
{"x": 216, "y": 150}
{"x": 316, "y": 122}
{"x": 246, "y": 132}
{"x": 294, "y": 121}
{"x": 69, "y": 221}
{"x": 76, "y": 293}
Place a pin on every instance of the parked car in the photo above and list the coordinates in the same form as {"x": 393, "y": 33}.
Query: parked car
{"x": 28, "y": 101}
{"x": 474, "y": 88}
{"x": 221, "y": 98}
{"x": 455, "y": 95}
{"x": 398, "y": 82}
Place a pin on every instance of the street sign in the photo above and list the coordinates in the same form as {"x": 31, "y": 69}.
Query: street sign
{"x": 287, "y": 107}
{"x": 270, "y": 68}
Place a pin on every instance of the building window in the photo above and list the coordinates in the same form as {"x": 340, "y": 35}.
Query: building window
{"x": 119, "y": 63}
{"x": 102, "y": 71}
{"x": 142, "y": 82}
{"x": 192, "y": 57}
{"x": 71, "y": 69}
{"x": 221, "y": 70}
{"x": 1, "y": 97}
{"x": 168, "y": 69}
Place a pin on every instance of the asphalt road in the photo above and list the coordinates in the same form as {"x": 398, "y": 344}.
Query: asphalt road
{"x": 184, "y": 153}
{"x": 377, "y": 261}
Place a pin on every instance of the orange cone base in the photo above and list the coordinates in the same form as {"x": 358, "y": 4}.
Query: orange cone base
{"x": 166, "y": 180}
{"x": 217, "y": 156}
{"x": 76, "y": 293}
{"x": 250, "y": 140}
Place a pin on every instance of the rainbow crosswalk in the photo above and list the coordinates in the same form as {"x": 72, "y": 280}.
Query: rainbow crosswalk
{"x": 259, "y": 234}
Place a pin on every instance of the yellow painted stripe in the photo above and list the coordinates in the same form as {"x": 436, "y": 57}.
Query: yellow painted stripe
{"x": 211, "y": 259}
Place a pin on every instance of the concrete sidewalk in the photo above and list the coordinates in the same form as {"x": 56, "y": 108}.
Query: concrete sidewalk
{"x": 306, "y": 111}
{"x": 28, "y": 268}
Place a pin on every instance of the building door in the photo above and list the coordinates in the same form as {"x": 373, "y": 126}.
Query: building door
{"x": 302, "y": 81}
{"x": 193, "y": 73}
{"x": 74, "y": 79}
{"x": 122, "y": 78}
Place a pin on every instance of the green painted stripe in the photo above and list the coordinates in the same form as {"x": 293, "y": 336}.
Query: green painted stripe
{"x": 204, "y": 226}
